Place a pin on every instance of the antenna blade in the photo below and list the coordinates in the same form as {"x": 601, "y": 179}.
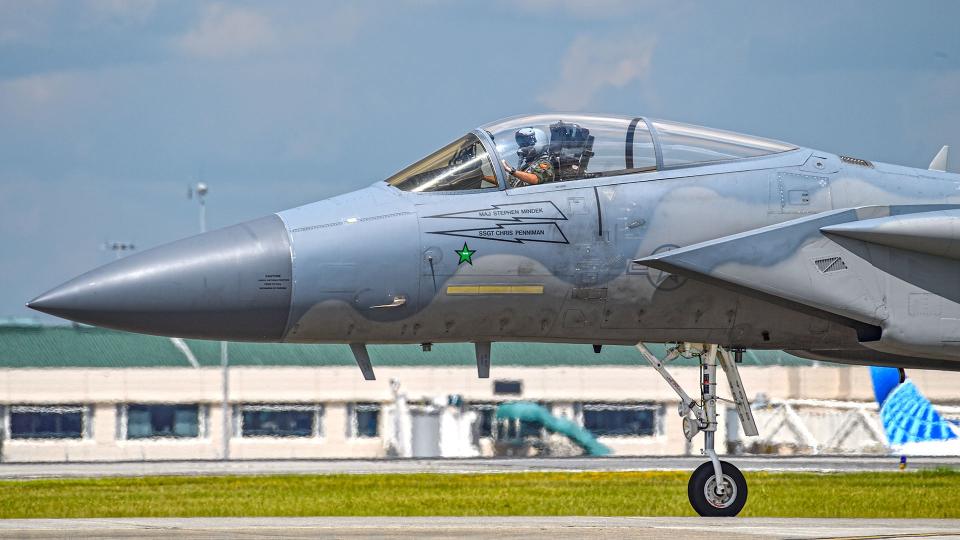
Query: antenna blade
{"x": 939, "y": 162}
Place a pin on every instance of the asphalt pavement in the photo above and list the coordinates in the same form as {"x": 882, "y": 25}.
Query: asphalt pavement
{"x": 491, "y": 465}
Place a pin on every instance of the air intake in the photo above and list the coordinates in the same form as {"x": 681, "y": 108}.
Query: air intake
{"x": 830, "y": 264}
{"x": 856, "y": 161}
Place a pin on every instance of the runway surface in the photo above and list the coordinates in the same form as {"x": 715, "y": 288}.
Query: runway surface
{"x": 399, "y": 466}
{"x": 477, "y": 527}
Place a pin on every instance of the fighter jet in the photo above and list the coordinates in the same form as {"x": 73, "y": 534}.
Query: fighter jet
{"x": 582, "y": 229}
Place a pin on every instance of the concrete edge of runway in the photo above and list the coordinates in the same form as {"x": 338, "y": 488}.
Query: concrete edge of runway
{"x": 510, "y": 527}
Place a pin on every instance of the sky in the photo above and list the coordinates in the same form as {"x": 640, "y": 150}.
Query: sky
{"x": 110, "y": 109}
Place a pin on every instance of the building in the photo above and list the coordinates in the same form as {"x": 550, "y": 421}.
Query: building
{"x": 75, "y": 393}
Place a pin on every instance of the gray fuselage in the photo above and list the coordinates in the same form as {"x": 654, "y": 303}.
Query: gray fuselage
{"x": 576, "y": 242}
{"x": 556, "y": 262}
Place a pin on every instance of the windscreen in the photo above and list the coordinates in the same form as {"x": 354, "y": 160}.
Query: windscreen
{"x": 461, "y": 165}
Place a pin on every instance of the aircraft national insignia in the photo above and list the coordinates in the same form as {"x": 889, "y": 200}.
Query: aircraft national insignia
{"x": 465, "y": 254}
{"x": 532, "y": 211}
{"x": 517, "y": 233}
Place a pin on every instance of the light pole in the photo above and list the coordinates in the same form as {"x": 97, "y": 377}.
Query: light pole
{"x": 225, "y": 379}
{"x": 201, "y": 189}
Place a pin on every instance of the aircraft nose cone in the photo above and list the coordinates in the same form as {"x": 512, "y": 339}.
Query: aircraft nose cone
{"x": 232, "y": 284}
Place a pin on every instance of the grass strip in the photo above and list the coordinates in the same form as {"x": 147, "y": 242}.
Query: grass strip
{"x": 922, "y": 494}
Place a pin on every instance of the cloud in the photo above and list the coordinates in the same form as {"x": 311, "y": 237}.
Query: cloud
{"x": 592, "y": 64}
{"x": 43, "y": 22}
{"x": 594, "y": 9}
{"x": 22, "y": 22}
{"x": 227, "y": 31}
{"x": 26, "y": 95}
{"x": 137, "y": 11}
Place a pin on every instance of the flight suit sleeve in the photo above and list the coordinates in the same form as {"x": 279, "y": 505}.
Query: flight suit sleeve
{"x": 543, "y": 168}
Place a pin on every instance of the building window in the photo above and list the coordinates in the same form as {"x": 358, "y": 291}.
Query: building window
{"x": 145, "y": 421}
{"x": 507, "y": 388}
{"x": 49, "y": 422}
{"x": 259, "y": 420}
{"x": 364, "y": 420}
{"x": 530, "y": 429}
{"x": 622, "y": 420}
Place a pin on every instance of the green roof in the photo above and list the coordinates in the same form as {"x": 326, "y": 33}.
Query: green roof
{"x": 33, "y": 345}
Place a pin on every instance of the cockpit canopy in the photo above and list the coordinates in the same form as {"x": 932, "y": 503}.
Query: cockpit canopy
{"x": 575, "y": 147}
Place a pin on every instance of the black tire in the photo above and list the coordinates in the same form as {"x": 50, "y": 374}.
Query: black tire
{"x": 728, "y": 506}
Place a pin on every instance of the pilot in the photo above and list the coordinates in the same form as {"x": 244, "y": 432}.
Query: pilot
{"x": 535, "y": 166}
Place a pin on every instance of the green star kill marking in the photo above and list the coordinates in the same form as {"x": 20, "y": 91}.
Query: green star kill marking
{"x": 465, "y": 254}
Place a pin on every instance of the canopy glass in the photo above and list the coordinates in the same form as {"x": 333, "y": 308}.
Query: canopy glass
{"x": 562, "y": 147}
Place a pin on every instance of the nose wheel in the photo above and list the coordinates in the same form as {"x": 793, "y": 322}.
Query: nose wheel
{"x": 710, "y": 498}
{"x": 716, "y": 488}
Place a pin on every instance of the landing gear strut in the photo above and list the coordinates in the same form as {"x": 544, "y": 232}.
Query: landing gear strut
{"x": 716, "y": 488}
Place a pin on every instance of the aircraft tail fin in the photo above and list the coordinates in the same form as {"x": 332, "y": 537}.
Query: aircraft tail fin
{"x": 907, "y": 415}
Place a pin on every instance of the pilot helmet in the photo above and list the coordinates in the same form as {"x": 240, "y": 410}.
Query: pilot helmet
{"x": 530, "y": 141}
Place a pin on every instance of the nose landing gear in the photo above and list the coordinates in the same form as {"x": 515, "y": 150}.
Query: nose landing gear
{"x": 716, "y": 487}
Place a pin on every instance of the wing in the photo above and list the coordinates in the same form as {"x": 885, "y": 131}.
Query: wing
{"x": 887, "y": 271}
